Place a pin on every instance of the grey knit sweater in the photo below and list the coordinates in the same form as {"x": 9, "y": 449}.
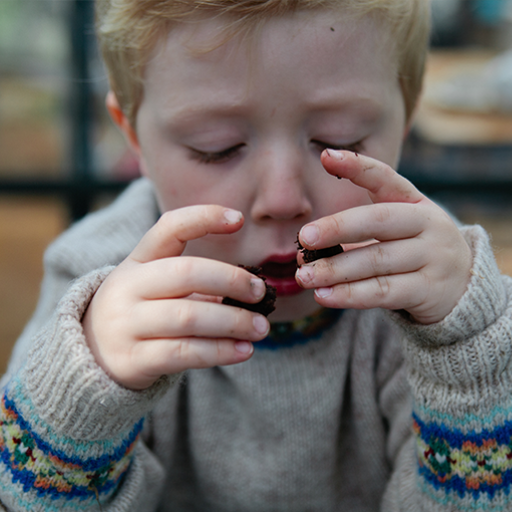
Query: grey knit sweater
{"x": 373, "y": 413}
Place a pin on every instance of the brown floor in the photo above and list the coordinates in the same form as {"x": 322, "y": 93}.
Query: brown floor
{"x": 28, "y": 225}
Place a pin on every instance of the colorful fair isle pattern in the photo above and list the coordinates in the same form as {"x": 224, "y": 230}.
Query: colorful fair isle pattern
{"x": 466, "y": 464}
{"x": 299, "y": 332}
{"x": 39, "y": 466}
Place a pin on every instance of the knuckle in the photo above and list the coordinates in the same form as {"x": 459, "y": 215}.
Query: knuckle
{"x": 427, "y": 286}
{"x": 180, "y": 351}
{"x": 382, "y": 213}
{"x": 241, "y": 320}
{"x": 351, "y": 296}
{"x": 377, "y": 257}
{"x": 383, "y": 287}
{"x": 166, "y": 220}
{"x": 349, "y": 292}
{"x": 165, "y": 216}
{"x": 336, "y": 224}
{"x": 183, "y": 267}
{"x": 324, "y": 272}
{"x": 186, "y": 316}
{"x": 220, "y": 353}
{"x": 206, "y": 354}
{"x": 189, "y": 354}
{"x": 235, "y": 276}
{"x": 208, "y": 215}
{"x": 204, "y": 215}
{"x": 329, "y": 269}
{"x": 388, "y": 171}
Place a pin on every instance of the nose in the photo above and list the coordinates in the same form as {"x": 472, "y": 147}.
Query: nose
{"x": 281, "y": 190}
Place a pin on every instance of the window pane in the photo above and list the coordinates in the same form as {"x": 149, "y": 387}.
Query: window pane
{"x": 34, "y": 83}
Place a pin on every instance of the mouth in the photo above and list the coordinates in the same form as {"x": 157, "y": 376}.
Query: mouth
{"x": 279, "y": 271}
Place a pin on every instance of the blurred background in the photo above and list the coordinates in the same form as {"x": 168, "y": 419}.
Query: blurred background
{"x": 61, "y": 156}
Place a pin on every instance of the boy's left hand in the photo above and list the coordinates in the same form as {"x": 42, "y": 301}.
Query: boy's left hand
{"x": 420, "y": 263}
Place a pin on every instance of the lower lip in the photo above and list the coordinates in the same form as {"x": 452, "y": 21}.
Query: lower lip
{"x": 284, "y": 286}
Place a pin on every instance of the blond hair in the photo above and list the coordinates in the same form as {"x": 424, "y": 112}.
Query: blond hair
{"x": 128, "y": 30}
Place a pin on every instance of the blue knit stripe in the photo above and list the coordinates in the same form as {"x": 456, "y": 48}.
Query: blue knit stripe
{"x": 290, "y": 334}
{"x": 25, "y": 502}
{"x": 454, "y": 502}
{"x": 28, "y": 479}
{"x": 468, "y": 464}
{"x": 45, "y": 471}
{"x": 456, "y": 438}
{"x": 491, "y": 418}
{"x": 24, "y": 405}
{"x": 89, "y": 464}
{"x": 459, "y": 485}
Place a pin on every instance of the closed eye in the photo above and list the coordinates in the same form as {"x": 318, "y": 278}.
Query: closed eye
{"x": 215, "y": 157}
{"x": 355, "y": 147}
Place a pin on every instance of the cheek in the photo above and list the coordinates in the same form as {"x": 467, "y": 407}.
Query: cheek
{"x": 172, "y": 195}
{"x": 218, "y": 247}
{"x": 177, "y": 185}
{"x": 189, "y": 187}
{"x": 339, "y": 196}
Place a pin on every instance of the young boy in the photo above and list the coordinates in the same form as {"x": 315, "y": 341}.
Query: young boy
{"x": 383, "y": 381}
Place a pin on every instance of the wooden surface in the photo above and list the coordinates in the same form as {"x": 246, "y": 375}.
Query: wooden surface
{"x": 27, "y": 226}
{"x": 450, "y": 126}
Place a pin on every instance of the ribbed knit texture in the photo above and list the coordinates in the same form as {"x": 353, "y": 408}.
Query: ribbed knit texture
{"x": 374, "y": 413}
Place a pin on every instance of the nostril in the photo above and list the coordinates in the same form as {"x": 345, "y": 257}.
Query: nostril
{"x": 289, "y": 203}
{"x": 283, "y": 215}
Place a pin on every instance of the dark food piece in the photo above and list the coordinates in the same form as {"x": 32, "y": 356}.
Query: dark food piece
{"x": 317, "y": 254}
{"x": 265, "y": 306}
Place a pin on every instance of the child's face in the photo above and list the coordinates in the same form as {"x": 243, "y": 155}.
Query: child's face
{"x": 243, "y": 126}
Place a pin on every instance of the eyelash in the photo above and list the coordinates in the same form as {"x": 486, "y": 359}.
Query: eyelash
{"x": 355, "y": 147}
{"x": 219, "y": 157}
{"x": 216, "y": 157}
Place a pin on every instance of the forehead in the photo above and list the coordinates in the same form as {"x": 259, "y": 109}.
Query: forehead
{"x": 303, "y": 53}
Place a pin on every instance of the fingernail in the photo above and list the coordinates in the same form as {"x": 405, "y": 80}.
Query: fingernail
{"x": 336, "y": 155}
{"x": 310, "y": 234}
{"x": 232, "y": 216}
{"x": 323, "y": 292}
{"x": 244, "y": 347}
{"x": 257, "y": 287}
{"x": 305, "y": 274}
{"x": 260, "y": 324}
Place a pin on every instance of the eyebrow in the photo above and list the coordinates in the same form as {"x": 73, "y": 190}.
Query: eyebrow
{"x": 368, "y": 103}
{"x": 182, "y": 116}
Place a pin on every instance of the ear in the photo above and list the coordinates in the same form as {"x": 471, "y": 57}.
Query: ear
{"x": 122, "y": 122}
{"x": 412, "y": 117}
{"x": 407, "y": 130}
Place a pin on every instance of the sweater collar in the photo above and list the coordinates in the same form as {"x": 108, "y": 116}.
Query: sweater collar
{"x": 298, "y": 332}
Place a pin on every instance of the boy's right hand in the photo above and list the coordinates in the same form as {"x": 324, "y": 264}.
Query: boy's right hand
{"x": 158, "y": 314}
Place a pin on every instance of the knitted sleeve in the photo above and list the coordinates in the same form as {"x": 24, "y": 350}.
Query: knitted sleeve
{"x": 69, "y": 435}
{"x": 460, "y": 371}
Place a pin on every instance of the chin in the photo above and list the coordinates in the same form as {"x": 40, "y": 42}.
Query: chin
{"x": 294, "y": 307}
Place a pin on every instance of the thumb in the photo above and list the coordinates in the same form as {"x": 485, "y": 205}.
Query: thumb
{"x": 169, "y": 236}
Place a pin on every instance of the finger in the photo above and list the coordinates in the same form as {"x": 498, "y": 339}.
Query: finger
{"x": 386, "y": 221}
{"x": 166, "y": 357}
{"x": 180, "y": 277}
{"x": 399, "y": 291}
{"x": 381, "y": 259}
{"x": 384, "y": 185}
{"x": 175, "y": 228}
{"x": 183, "y": 318}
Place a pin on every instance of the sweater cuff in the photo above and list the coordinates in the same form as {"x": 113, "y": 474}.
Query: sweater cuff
{"x": 484, "y": 301}
{"x": 69, "y": 391}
